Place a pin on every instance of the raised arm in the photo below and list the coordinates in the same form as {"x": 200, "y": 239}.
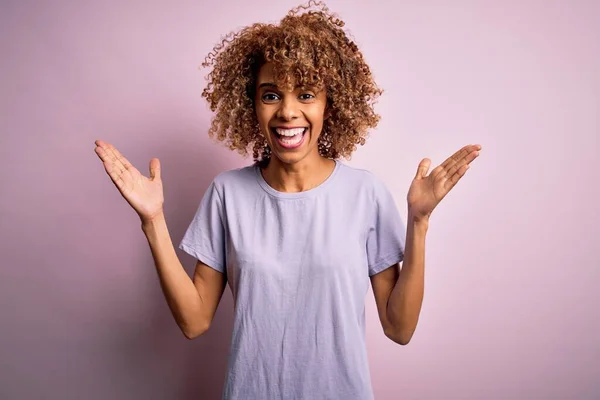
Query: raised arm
{"x": 193, "y": 303}
{"x": 399, "y": 294}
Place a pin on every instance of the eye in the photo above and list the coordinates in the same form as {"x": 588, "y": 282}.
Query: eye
{"x": 270, "y": 97}
{"x": 306, "y": 96}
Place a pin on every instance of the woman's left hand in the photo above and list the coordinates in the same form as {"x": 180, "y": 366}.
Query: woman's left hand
{"x": 426, "y": 191}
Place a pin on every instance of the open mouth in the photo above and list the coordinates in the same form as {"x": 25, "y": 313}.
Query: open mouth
{"x": 289, "y": 138}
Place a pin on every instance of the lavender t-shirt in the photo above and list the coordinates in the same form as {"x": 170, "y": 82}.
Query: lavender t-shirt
{"x": 298, "y": 265}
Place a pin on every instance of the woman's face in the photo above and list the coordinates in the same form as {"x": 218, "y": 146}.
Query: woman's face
{"x": 290, "y": 121}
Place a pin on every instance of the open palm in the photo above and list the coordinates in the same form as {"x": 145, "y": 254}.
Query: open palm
{"x": 144, "y": 194}
{"x": 426, "y": 191}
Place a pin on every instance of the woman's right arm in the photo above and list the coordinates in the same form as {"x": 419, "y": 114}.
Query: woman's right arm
{"x": 193, "y": 303}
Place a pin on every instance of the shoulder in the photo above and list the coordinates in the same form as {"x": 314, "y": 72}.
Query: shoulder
{"x": 237, "y": 180}
{"x": 362, "y": 180}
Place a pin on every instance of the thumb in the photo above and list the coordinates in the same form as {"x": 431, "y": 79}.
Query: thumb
{"x": 155, "y": 169}
{"x": 423, "y": 168}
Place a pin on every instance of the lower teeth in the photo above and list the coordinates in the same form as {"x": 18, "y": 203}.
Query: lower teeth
{"x": 291, "y": 140}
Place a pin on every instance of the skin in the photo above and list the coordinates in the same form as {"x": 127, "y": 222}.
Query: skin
{"x": 299, "y": 169}
{"x": 399, "y": 291}
{"x": 193, "y": 302}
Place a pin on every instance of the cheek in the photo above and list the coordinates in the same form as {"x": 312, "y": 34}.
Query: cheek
{"x": 262, "y": 117}
{"x": 317, "y": 117}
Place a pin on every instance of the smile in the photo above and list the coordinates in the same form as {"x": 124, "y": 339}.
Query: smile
{"x": 289, "y": 138}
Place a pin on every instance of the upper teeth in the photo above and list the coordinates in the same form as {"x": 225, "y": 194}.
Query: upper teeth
{"x": 289, "y": 132}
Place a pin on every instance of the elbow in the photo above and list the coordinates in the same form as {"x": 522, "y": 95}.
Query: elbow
{"x": 191, "y": 335}
{"x": 193, "y": 331}
{"x": 400, "y": 337}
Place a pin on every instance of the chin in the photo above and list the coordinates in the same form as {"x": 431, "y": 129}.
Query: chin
{"x": 294, "y": 154}
{"x": 289, "y": 158}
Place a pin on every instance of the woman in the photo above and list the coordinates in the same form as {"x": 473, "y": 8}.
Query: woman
{"x": 298, "y": 236}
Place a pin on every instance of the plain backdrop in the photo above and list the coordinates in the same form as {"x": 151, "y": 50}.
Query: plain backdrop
{"x": 512, "y": 266}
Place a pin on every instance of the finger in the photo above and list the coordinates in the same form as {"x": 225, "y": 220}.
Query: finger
{"x": 423, "y": 168}
{"x": 155, "y": 169}
{"x": 115, "y": 174}
{"x": 114, "y": 169}
{"x": 102, "y": 145}
{"x": 120, "y": 158}
{"x": 111, "y": 164}
{"x": 438, "y": 172}
{"x": 116, "y": 157}
{"x": 468, "y": 159}
{"x": 106, "y": 154}
{"x": 464, "y": 156}
{"x": 463, "y": 152}
{"x": 453, "y": 180}
{"x": 456, "y": 156}
{"x": 117, "y": 179}
{"x": 113, "y": 155}
{"x": 442, "y": 169}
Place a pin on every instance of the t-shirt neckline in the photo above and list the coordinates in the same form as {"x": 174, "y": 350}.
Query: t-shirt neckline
{"x": 295, "y": 195}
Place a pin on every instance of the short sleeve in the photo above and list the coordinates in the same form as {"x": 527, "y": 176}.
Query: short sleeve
{"x": 205, "y": 236}
{"x": 387, "y": 234}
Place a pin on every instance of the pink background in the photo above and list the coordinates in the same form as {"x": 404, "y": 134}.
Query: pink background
{"x": 511, "y": 307}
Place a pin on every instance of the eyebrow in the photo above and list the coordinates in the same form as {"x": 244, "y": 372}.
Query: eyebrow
{"x": 272, "y": 85}
{"x": 268, "y": 84}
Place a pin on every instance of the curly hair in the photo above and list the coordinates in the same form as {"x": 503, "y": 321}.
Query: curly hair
{"x": 307, "y": 48}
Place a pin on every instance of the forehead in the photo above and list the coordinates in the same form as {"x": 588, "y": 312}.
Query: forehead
{"x": 266, "y": 73}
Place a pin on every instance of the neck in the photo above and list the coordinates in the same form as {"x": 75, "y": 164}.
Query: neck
{"x": 298, "y": 177}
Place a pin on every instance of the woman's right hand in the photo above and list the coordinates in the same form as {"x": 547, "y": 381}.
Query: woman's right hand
{"x": 145, "y": 195}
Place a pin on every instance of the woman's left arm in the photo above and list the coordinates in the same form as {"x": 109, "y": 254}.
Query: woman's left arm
{"x": 399, "y": 292}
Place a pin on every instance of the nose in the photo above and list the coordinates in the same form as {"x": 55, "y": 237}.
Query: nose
{"x": 288, "y": 109}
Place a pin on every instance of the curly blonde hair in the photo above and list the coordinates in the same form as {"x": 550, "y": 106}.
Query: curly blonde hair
{"x": 308, "y": 48}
